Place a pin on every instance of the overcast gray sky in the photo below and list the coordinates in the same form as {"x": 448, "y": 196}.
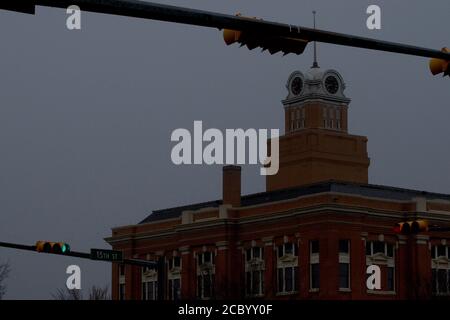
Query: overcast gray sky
{"x": 86, "y": 116}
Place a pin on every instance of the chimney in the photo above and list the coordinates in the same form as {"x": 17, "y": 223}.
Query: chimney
{"x": 232, "y": 185}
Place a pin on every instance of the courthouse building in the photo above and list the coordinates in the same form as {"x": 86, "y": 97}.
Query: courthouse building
{"x": 311, "y": 235}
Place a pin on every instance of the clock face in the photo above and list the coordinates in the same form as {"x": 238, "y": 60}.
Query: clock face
{"x": 296, "y": 86}
{"x": 331, "y": 84}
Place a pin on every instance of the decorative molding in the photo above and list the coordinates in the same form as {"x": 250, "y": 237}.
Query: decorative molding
{"x": 421, "y": 204}
{"x": 268, "y": 241}
{"x": 187, "y": 217}
{"x": 223, "y": 211}
{"x": 184, "y": 250}
{"x": 402, "y": 239}
{"x": 265, "y": 218}
{"x": 381, "y": 292}
{"x": 222, "y": 245}
{"x": 422, "y": 239}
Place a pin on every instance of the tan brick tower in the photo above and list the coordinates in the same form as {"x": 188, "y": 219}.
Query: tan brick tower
{"x": 316, "y": 145}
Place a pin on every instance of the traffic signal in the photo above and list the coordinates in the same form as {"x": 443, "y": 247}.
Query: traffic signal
{"x": 24, "y": 6}
{"x": 438, "y": 66}
{"x": 411, "y": 227}
{"x": 273, "y": 44}
{"x": 52, "y": 247}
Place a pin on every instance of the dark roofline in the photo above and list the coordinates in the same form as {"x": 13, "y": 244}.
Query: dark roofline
{"x": 369, "y": 190}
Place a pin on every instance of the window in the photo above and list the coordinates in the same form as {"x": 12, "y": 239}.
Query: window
{"x": 174, "y": 278}
{"x": 314, "y": 246}
{"x": 389, "y": 250}
{"x": 314, "y": 261}
{"x": 287, "y": 266}
{"x": 121, "y": 291}
{"x": 391, "y": 278}
{"x": 441, "y": 251}
{"x": 344, "y": 275}
{"x": 344, "y": 246}
{"x": 325, "y": 117}
{"x": 149, "y": 283}
{"x": 297, "y": 118}
{"x": 121, "y": 282}
{"x": 303, "y": 118}
{"x": 383, "y": 255}
{"x": 205, "y": 275}
{"x": 174, "y": 289}
{"x": 378, "y": 247}
{"x": 175, "y": 262}
{"x": 315, "y": 276}
{"x": 338, "y": 119}
{"x": 150, "y": 290}
{"x": 122, "y": 270}
{"x": 374, "y": 247}
{"x": 344, "y": 264}
{"x": 254, "y": 271}
{"x": 440, "y": 265}
{"x": 292, "y": 120}
{"x": 331, "y": 118}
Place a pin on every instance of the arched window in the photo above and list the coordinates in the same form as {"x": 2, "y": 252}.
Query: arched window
{"x": 254, "y": 271}
{"x": 287, "y": 268}
{"x": 174, "y": 278}
{"x": 205, "y": 275}
{"x": 149, "y": 283}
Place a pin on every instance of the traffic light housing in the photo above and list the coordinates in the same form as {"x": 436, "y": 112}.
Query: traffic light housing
{"x": 438, "y": 66}
{"x": 273, "y": 44}
{"x": 52, "y": 247}
{"x": 411, "y": 227}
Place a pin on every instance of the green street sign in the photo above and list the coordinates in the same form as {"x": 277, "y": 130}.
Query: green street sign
{"x": 106, "y": 255}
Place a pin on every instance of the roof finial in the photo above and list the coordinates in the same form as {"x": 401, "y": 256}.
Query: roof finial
{"x": 315, "y": 64}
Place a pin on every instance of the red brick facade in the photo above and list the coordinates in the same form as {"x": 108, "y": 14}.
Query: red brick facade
{"x": 307, "y": 237}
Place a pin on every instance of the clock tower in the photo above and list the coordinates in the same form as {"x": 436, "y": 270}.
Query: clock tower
{"x": 317, "y": 146}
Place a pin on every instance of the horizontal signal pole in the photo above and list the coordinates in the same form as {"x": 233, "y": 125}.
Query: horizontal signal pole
{"x": 81, "y": 255}
{"x": 161, "y": 12}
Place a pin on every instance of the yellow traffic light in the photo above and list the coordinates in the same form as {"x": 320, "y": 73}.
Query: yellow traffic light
{"x": 419, "y": 226}
{"x": 438, "y": 66}
{"x": 231, "y": 36}
{"x": 273, "y": 44}
{"x": 402, "y": 228}
{"x": 52, "y": 247}
{"x": 411, "y": 227}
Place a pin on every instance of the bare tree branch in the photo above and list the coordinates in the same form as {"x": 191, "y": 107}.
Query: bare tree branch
{"x": 66, "y": 294}
{"x": 98, "y": 293}
{"x": 5, "y": 269}
{"x": 95, "y": 293}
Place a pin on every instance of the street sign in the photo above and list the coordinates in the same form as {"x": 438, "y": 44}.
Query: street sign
{"x": 106, "y": 255}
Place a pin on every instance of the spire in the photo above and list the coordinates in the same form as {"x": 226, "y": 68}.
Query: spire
{"x": 315, "y": 64}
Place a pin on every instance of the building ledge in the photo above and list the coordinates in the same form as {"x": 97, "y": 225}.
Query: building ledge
{"x": 282, "y": 294}
{"x": 382, "y": 292}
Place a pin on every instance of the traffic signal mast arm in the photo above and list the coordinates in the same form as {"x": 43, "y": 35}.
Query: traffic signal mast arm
{"x": 161, "y": 12}
{"x": 82, "y": 255}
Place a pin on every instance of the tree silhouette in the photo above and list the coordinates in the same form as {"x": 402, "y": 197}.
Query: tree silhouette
{"x": 5, "y": 269}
